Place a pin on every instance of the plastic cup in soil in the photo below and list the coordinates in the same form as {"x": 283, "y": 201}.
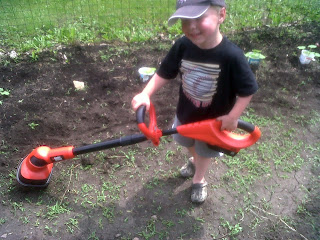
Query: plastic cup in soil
{"x": 146, "y": 73}
{"x": 254, "y": 61}
{"x": 305, "y": 58}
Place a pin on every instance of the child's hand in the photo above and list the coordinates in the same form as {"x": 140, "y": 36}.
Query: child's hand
{"x": 140, "y": 99}
{"x": 228, "y": 123}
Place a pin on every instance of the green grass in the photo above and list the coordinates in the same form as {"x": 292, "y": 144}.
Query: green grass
{"x": 38, "y": 24}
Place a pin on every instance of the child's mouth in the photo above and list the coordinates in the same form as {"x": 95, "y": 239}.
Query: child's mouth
{"x": 194, "y": 35}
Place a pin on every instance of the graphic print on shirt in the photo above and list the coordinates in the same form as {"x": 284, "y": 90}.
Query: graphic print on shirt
{"x": 199, "y": 81}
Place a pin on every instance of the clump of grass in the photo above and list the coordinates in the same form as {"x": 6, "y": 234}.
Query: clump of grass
{"x": 55, "y": 210}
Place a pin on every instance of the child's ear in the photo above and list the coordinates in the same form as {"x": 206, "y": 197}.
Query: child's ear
{"x": 222, "y": 15}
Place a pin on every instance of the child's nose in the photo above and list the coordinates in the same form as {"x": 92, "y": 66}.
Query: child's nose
{"x": 194, "y": 23}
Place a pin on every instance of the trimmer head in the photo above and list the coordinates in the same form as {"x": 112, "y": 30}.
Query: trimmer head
{"x": 33, "y": 171}
{"x": 29, "y": 178}
{"x": 36, "y": 169}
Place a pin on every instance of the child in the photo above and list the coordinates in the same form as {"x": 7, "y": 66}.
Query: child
{"x": 217, "y": 81}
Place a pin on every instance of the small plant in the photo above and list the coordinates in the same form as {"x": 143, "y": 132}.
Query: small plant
{"x": 254, "y": 57}
{"x": 255, "y": 54}
{"x": 34, "y": 56}
{"x": 308, "y": 52}
{"x": 232, "y": 230}
{"x": 72, "y": 224}
{"x": 2, "y": 221}
{"x": 53, "y": 211}
{"x": 33, "y": 125}
{"x": 4, "y": 92}
{"x": 48, "y": 229}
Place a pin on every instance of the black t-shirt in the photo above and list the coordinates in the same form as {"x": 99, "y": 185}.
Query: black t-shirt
{"x": 211, "y": 78}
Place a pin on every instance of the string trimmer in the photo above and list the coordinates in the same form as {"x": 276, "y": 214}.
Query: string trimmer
{"x": 36, "y": 169}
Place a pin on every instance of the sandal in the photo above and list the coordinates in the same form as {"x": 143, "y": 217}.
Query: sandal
{"x": 199, "y": 192}
{"x": 188, "y": 169}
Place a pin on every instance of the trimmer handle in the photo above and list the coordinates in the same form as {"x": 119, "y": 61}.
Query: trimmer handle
{"x": 152, "y": 132}
{"x": 248, "y": 127}
{"x": 210, "y": 132}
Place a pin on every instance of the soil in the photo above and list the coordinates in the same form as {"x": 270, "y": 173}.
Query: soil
{"x": 134, "y": 192}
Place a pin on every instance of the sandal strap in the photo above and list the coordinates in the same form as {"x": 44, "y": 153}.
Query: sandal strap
{"x": 199, "y": 185}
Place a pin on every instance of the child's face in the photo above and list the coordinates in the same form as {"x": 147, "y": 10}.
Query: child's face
{"x": 204, "y": 31}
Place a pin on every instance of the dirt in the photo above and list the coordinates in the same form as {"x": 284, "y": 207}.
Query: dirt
{"x": 134, "y": 192}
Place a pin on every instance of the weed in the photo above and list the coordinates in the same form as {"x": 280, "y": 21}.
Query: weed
{"x": 232, "y": 230}
{"x": 109, "y": 213}
{"x": 86, "y": 188}
{"x": 34, "y": 56}
{"x": 33, "y": 125}
{"x": 48, "y": 229}
{"x": 196, "y": 227}
{"x": 2, "y": 221}
{"x": 112, "y": 189}
{"x": 4, "y": 92}
{"x": 149, "y": 231}
{"x": 37, "y": 223}
{"x": 182, "y": 212}
{"x": 200, "y": 220}
{"x": 24, "y": 220}
{"x": 17, "y": 206}
{"x": 169, "y": 155}
{"x": 168, "y": 223}
{"x": 55, "y": 210}
{"x": 130, "y": 155}
{"x": 72, "y": 224}
{"x": 255, "y": 222}
{"x": 93, "y": 236}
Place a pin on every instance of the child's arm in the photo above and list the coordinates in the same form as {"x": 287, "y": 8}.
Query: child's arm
{"x": 230, "y": 121}
{"x": 143, "y": 98}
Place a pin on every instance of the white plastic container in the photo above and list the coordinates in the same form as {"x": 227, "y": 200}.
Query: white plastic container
{"x": 146, "y": 73}
{"x": 305, "y": 58}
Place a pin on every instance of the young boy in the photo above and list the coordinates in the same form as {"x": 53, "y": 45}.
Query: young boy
{"x": 217, "y": 81}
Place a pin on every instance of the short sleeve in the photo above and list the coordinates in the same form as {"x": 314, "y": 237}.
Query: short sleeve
{"x": 244, "y": 81}
{"x": 169, "y": 67}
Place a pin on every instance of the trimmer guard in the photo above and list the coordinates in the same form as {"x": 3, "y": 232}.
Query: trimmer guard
{"x": 36, "y": 169}
{"x": 29, "y": 178}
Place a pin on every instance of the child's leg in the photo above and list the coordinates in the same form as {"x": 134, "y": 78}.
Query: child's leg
{"x": 199, "y": 185}
{"x": 201, "y": 166}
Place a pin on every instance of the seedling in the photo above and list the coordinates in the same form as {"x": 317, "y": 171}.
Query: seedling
{"x": 255, "y": 56}
{"x": 34, "y": 56}
{"x": 308, "y": 52}
{"x": 4, "y": 92}
{"x": 33, "y": 125}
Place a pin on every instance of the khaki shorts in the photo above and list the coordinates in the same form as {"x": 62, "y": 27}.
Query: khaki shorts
{"x": 201, "y": 148}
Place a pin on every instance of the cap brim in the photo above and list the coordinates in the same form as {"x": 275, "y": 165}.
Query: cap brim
{"x": 187, "y": 12}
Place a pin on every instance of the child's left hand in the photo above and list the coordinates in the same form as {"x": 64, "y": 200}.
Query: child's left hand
{"x": 228, "y": 123}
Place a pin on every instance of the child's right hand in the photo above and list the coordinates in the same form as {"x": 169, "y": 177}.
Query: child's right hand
{"x": 143, "y": 98}
{"x": 140, "y": 99}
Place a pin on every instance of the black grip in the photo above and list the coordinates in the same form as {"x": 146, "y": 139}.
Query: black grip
{"x": 141, "y": 113}
{"x": 248, "y": 127}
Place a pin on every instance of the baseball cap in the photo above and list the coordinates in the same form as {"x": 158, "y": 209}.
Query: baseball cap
{"x": 192, "y": 9}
